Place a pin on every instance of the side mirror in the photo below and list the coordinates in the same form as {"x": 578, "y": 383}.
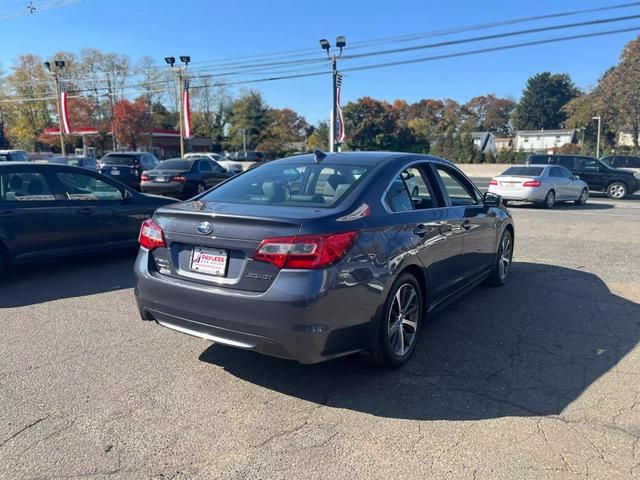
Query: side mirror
{"x": 492, "y": 199}
{"x": 576, "y": 177}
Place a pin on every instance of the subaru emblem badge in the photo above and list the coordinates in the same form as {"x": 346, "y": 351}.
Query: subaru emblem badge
{"x": 204, "y": 228}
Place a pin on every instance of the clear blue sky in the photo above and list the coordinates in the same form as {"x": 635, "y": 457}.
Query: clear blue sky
{"x": 211, "y": 30}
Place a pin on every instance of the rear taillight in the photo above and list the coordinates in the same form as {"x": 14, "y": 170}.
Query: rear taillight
{"x": 532, "y": 183}
{"x": 144, "y": 177}
{"x": 151, "y": 235}
{"x": 305, "y": 251}
{"x": 493, "y": 182}
{"x": 179, "y": 179}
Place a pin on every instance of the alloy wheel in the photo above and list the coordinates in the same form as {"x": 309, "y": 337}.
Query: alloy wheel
{"x": 403, "y": 319}
{"x": 505, "y": 256}
{"x": 550, "y": 199}
{"x": 617, "y": 190}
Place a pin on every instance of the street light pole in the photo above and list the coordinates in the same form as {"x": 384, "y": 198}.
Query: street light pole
{"x": 244, "y": 140}
{"x": 598, "y": 141}
{"x": 60, "y": 65}
{"x": 340, "y": 43}
{"x": 185, "y": 59}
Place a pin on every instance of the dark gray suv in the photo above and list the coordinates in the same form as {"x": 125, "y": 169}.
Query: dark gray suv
{"x": 315, "y": 257}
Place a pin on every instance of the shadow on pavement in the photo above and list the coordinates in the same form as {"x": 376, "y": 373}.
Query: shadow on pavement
{"x": 564, "y": 206}
{"x": 73, "y": 277}
{"x": 529, "y": 348}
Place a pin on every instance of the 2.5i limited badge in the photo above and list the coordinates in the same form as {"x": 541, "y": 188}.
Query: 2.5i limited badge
{"x": 259, "y": 276}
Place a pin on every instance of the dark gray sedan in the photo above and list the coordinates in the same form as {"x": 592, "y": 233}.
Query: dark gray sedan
{"x": 319, "y": 256}
{"x": 48, "y": 211}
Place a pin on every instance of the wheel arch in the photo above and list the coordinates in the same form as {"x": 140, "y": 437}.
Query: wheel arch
{"x": 420, "y": 276}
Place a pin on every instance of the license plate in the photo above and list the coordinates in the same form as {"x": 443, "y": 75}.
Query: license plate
{"x": 160, "y": 179}
{"x": 211, "y": 261}
{"x": 509, "y": 184}
{"x": 115, "y": 172}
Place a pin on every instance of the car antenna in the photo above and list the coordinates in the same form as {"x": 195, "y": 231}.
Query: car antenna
{"x": 320, "y": 155}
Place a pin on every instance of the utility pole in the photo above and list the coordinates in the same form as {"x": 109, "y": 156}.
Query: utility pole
{"x": 244, "y": 140}
{"x": 598, "y": 141}
{"x": 113, "y": 132}
{"x": 171, "y": 61}
{"x": 340, "y": 43}
{"x": 55, "y": 72}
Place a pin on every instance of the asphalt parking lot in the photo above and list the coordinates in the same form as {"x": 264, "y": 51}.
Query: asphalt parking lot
{"x": 538, "y": 379}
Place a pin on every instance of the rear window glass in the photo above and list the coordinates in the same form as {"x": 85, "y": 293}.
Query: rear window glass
{"x": 524, "y": 171}
{"x": 174, "y": 165}
{"x": 119, "y": 159}
{"x": 291, "y": 185}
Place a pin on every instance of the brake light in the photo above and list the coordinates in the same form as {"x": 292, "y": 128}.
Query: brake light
{"x": 151, "y": 235}
{"x": 179, "y": 179}
{"x": 532, "y": 183}
{"x": 493, "y": 181}
{"x": 144, "y": 177}
{"x": 305, "y": 251}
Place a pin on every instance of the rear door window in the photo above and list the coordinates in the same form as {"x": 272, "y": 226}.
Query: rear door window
{"x": 81, "y": 187}
{"x": 205, "y": 166}
{"x": 398, "y": 198}
{"x": 25, "y": 187}
{"x": 566, "y": 162}
{"x": 588, "y": 164}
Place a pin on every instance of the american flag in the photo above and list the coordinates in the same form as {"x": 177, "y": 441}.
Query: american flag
{"x": 186, "y": 110}
{"x": 339, "y": 127}
{"x": 64, "y": 111}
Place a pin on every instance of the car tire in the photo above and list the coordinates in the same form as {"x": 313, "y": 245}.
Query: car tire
{"x": 584, "y": 196}
{"x": 4, "y": 262}
{"x": 201, "y": 188}
{"x": 616, "y": 190}
{"x": 395, "y": 329}
{"x": 549, "y": 200}
{"x": 504, "y": 259}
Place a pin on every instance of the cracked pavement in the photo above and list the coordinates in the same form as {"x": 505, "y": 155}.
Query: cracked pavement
{"x": 539, "y": 379}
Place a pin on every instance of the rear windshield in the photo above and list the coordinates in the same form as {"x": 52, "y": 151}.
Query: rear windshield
{"x": 119, "y": 159}
{"x": 307, "y": 185}
{"x": 174, "y": 165}
{"x": 524, "y": 171}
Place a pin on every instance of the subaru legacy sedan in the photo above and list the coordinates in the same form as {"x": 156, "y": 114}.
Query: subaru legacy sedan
{"x": 318, "y": 256}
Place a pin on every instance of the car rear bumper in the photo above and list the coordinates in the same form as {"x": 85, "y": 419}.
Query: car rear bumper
{"x": 307, "y": 315}
{"x": 181, "y": 190}
{"x": 522, "y": 194}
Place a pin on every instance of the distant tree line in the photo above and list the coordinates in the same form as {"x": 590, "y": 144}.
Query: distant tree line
{"x": 101, "y": 85}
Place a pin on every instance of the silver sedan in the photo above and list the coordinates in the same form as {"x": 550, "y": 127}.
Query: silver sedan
{"x": 541, "y": 184}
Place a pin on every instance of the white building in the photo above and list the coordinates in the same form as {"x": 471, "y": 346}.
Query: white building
{"x": 485, "y": 142}
{"x": 543, "y": 140}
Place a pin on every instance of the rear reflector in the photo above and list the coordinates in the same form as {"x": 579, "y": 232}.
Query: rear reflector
{"x": 151, "y": 235}
{"x": 305, "y": 251}
{"x": 532, "y": 183}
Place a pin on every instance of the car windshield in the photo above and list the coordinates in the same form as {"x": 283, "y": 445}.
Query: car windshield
{"x": 175, "y": 164}
{"x": 292, "y": 185}
{"x": 524, "y": 171}
{"x": 119, "y": 159}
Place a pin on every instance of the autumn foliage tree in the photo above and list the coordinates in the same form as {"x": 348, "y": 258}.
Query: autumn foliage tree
{"x": 130, "y": 122}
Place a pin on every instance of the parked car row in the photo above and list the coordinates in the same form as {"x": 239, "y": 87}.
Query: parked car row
{"x": 548, "y": 179}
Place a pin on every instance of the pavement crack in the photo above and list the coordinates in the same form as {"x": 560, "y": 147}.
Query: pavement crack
{"x": 24, "y": 429}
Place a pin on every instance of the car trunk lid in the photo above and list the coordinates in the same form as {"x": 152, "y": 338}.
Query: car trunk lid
{"x": 231, "y": 232}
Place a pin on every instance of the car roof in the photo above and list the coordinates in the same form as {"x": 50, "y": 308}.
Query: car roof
{"x": 359, "y": 158}
{"x": 126, "y": 153}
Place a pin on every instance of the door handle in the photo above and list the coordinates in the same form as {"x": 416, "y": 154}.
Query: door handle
{"x": 421, "y": 230}
{"x": 466, "y": 225}
{"x": 84, "y": 211}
